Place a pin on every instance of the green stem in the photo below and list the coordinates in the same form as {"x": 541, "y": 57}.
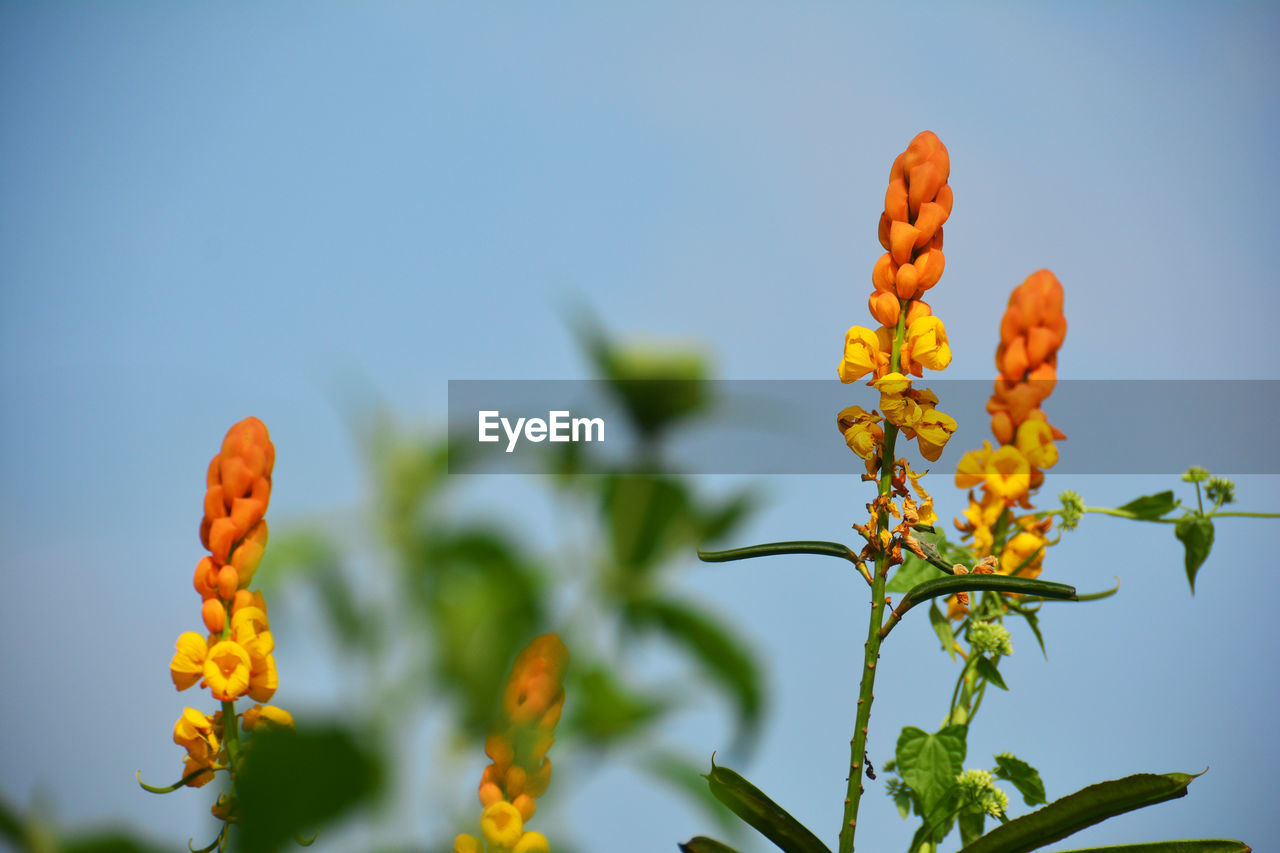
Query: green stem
{"x": 955, "y": 694}
{"x": 1199, "y": 502}
{"x": 871, "y": 650}
{"x": 1245, "y": 515}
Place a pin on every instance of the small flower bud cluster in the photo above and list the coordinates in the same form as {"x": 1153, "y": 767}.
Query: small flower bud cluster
{"x": 977, "y": 788}
{"x": 234, "y": 658}
{"x": 990, "y": 638}
{"x": 916, "y": 205}
{"x": 520, "y": 770}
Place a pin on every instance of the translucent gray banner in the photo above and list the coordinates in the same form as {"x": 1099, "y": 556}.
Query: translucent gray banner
{"x": 789, "y": 426}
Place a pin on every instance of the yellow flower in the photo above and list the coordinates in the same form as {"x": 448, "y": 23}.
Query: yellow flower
{"x": 227, "y": 671}
{"x": 532, "y": 842}
{"x": 861, "y": 354}
{"x": 268, "y": 716}
{"x": 927, "y": 337}
{"x": 1023, "y": 555}
{"x": 932, "y": 432}
{"x": 972, "y": 468}
{"x": 1035, "y": 440}
{"x": 501, "y": 824}
{"x": 1008, "y": 474}
{"x": 187, "y": 666}
{"x": 192, "y": 765}
{"x": 861, "y": 431}
{"x": 467, "y": 844}
{"x": 925, "y": 511}
{"x": 249, "y": 628}
{"x": 194, "y": 732}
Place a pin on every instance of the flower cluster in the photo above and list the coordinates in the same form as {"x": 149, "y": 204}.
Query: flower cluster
{"x": 520, "y": 770}
{"x": 234, "y": 658}
{"x": 1031, "y": 332}
{"x": 910, "y": 338}
{"x": 978, "y": 791}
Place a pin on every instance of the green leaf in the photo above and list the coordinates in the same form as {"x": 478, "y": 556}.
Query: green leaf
{"x": 775, "y": 549}
{"x": 719, "y": 651}
{"x": 688, "y": 778}
{"x": 930, "y": 763}
{"x": 1023, "y": 776}
{"x": 1195, "y": 532}
{"x": 1084, "y": 808}
{"x": 993, "y": 583}
{"x": 1151, "y": 506}
{"x": 1033, "y": 622}
{"x": 1206, "y": 845}
{"x": 942, "y": 627}
{"x": 702, "y": 844}
{"x": 971, "y": 827}
{"x": 767, "y": 817}
{"x": 292, "y": 783}
{"x": 912, "y": 572}
{"x": 987, "y": 670}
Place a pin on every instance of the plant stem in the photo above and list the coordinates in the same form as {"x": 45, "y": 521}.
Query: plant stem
{"x": 858, "y": 745}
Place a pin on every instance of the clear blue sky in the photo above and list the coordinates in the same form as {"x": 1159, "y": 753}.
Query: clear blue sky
{"x": 208, "y": 211}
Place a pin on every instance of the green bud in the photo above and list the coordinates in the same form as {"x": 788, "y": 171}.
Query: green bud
{"x": 1195, "y": 474}
{"x": 990, "y": 638}
{"x": 1221, "y": 490}
{"x": 1072, "y": 509}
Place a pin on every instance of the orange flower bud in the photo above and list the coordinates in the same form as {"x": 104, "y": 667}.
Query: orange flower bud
{"x": 526, "y": 805}
{"x": 206, "y": 578}
{"x": 884, "y": 307}
{"x": 902, "y": 239}
{"x": 228, "y": 580}
{"x": 884, "y": 273}
{"x": 214, "y": 615}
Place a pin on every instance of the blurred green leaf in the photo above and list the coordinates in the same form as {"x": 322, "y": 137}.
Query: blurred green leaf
{"x": 111, "y": 841}
{"x": 1195, "y": 532}
{"x": 648, "y": 518}
{"x": 1084, "y": 808}
{"x": 1151, "y": 506}
{"x": 604, "y": 709}
{"x": 1207, "y": 845}
{"x": 720, "y": 652}
{"x": 293, "y": 783}
{"x": 767, "y": 817}
{"x": 1023, "y": 776}
{"x": 484, "y": 602}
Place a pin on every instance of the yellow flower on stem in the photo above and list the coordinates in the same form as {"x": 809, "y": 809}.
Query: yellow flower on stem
{"x": 532, "y": 842}
{"x": 227, "y": 671}
{"x": 187, "y": 666}
{"x": 1008, "y": 474}
{"x": 267, "y": 716}
{"x": 927, "y": 337}
{"x": 501, "y": 824}
{"x": 861, "y": 431}
{"x": 972, "y": 469}
{"x": 1023, "y": 555}
{"x": 933, "y": 430}
{"x": 861, "y": 354}
{"x": 1035, "y": 441}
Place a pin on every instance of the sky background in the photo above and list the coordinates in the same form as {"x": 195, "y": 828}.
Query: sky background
{"x": 209, "y": 211}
